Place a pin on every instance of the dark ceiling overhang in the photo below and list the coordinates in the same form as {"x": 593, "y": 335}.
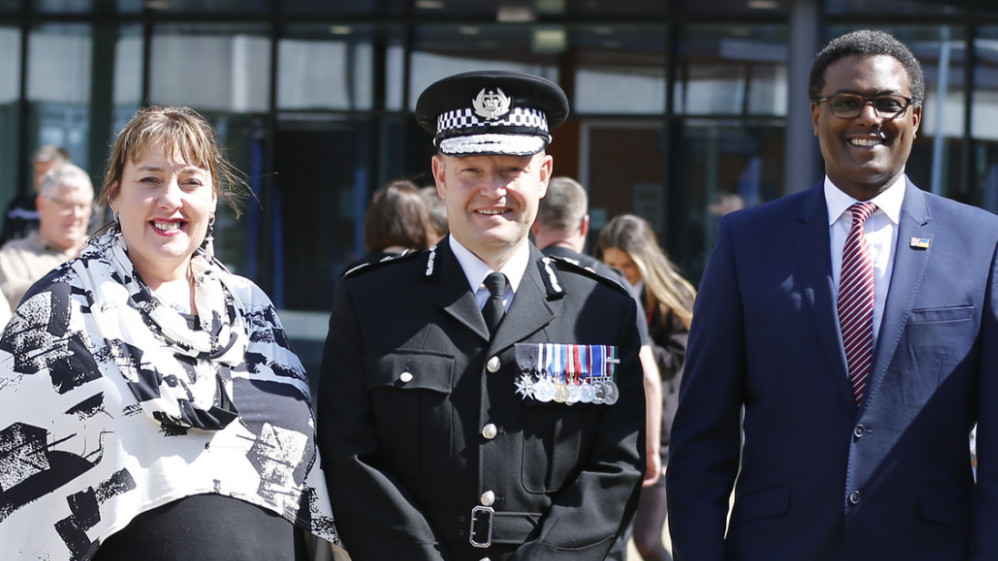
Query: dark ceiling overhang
{"x": 967, "y": 4}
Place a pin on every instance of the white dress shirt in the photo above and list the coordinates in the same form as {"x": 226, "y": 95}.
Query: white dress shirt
{"x": 476, "y": 270}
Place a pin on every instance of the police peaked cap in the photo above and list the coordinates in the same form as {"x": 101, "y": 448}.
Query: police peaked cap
{"x": 491, "y": 113}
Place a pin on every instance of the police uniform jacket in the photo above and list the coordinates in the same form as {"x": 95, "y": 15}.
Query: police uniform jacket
{"x": 421, "y": 426}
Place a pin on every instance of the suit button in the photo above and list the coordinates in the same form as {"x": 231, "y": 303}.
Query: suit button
{"x": 488, "y": 498}
{"x": 855, "y": 498}
{"x": 405, "y": 377}
{"x": 493, "y": 364}
{"x": 859, "y": 431}
{"x": 490, "y": 431}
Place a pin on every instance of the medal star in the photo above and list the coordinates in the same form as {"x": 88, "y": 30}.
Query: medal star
{"x": 525, "y": 386}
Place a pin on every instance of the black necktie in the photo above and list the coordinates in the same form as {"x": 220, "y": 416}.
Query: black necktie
{"x": 493, "y": 310}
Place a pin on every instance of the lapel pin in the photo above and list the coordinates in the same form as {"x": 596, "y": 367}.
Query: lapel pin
{"x": 919, "y": 243}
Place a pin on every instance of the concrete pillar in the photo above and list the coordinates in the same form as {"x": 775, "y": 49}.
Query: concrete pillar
{"x": 803, "y": 166}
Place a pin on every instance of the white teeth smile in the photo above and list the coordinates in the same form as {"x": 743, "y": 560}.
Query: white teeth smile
{"x": 491, "y": 212}
{"x": 865, "y": 142}
{"x": 166, "y": 226}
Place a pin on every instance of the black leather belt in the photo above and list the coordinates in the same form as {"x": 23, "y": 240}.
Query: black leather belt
{"x": 489, "y": 527}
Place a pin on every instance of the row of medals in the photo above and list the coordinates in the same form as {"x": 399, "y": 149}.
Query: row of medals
{"x": 547, "y": 388}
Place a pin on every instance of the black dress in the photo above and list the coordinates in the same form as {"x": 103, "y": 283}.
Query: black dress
{"x": 206, "y": 528}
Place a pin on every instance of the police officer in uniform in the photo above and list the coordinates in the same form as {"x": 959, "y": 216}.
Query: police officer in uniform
{"x": 478, "y": 400}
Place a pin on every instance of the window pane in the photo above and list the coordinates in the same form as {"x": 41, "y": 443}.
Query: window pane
{"x": 346, "y": 7}
{"x": 10, "y": 78}
{"x": 605, "y": 7}
{"x": 637, "y": 188}
{"x": 440, "y": 50}
{"x": 890, "y": 7}
{"x": 209, "y": 6}
{"x": 211, "y": 67}
{"x": 736, "y": 7}
{"x": 128, "y": 67}
{"x": 723, "y": 166}
{"x": 309, "y": 259}
{"x": 985, "y": 122}
{"x": 732, "y": 70}
{"x": 331, "y": 67}
{"x": 59, "y": 85}
{"x": 621, "y": 69}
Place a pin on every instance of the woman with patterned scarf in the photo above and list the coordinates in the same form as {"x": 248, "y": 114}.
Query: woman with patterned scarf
{"x": 150, "y": 404}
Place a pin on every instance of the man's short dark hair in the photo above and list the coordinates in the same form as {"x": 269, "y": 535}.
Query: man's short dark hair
{"x": 867, "y": 42}
{"x": 564, "y": 206}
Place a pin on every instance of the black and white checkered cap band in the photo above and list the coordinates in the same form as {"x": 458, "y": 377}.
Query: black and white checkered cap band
{"x": 520, "y": 117}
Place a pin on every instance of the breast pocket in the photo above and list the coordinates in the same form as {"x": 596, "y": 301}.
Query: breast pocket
{"x": 934, "y": 342}
{"x": 413, "y": 414}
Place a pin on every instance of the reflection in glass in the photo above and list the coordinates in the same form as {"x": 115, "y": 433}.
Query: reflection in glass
{"x": 442, "y": 50}
{"x": 59, "y": 86}
{"x": 10, "y": 78}
{"x": 732, "y": 70}
{"x": 740, "y": 7}
{"x": 724, "y": 166}
{"x": 889, "y": 7}
{"x": 620, "y": 69}
{"x": 211, "y": 67}
{"x": 984, "y": 126}
{"x": 331, "y": 67}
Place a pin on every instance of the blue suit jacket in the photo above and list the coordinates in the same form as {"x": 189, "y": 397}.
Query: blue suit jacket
{"x": 819, "y": 478}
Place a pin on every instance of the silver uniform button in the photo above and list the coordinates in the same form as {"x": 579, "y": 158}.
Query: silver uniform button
{"x": 488, "y": 498}
{"x": 493, "y": 364}
{"x": 855, "y": 498}
{"x": 405, "y": 377}
{"x": 490, "y": 431}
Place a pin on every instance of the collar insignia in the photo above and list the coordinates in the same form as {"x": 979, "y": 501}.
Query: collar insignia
{"x": 491, "y": 105}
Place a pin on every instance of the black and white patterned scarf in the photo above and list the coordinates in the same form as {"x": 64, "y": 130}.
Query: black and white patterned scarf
{"x": 111, "y": 404}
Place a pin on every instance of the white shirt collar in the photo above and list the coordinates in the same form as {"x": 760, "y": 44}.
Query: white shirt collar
{"x": 888, "y": 202}
{"x": 476, "y": 270}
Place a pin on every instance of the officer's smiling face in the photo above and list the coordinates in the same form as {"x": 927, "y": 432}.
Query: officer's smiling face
{"x": 491, "y": 201}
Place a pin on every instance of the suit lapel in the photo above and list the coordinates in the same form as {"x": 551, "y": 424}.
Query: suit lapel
{"x": 814, "y": 256}
{"x": 453, "y": 293}
{"x": 909, "y": 268}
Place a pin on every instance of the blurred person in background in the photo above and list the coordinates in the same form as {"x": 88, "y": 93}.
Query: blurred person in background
{"x": 628, "y": 244}
{"x": 65, "y": 202}
{"x": 397, "y": 222}
{"x": 21, "y": 216}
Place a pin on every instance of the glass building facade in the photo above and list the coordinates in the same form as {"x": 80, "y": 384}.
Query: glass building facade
{"x": 681, "y": 109}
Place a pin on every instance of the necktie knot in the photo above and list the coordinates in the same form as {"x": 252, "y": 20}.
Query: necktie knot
{"x": 496, "y": 284}
{"x": 494, "y": 309}
{"x": 862, "y": 211}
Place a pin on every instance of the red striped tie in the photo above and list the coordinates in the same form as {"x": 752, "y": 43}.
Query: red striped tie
{"x": 856, "y": 300}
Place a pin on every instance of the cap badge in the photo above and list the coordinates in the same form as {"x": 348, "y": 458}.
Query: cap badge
{"x": 491, "y": 105}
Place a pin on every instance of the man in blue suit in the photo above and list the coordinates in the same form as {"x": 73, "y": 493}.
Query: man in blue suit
{"x": 835, "y": 452}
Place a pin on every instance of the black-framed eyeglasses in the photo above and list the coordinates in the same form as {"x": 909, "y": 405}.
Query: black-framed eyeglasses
{"x": 848, "y": 106}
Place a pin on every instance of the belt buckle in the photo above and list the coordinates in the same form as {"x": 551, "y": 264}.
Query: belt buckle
{"x": 481, "y": 516}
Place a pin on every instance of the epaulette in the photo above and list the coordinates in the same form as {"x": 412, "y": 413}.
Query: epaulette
{"x": 570, "y": 265}
{"x": 370, "y": 266}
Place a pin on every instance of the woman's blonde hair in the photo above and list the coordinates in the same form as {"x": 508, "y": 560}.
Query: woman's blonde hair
{"x": 664, "y": 286}
{"x": 180, "y": 129}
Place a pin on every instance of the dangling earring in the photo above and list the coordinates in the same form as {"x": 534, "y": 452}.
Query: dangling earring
{"x": 209, "y": 239}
